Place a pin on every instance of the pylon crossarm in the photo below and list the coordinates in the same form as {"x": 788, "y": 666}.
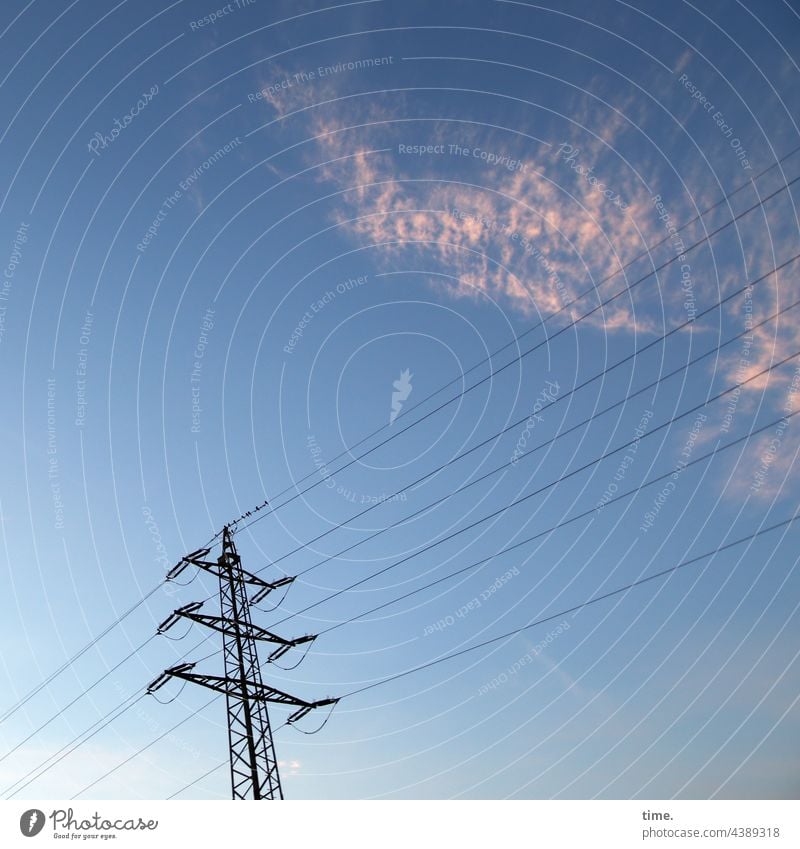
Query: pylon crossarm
{"x": 214, "y": 568}
{"x": 307, "y": 708}
{"x": 162, "y": 679}
{"x": 190, "y": 559}
{"x": 256, "y": 691}
{"x": 256, "y": 632}
{"x": 176, "y": 615}
{"x": 158, "y": 683}
{"x": 269, "y": 586}
{"x": 289, "y": 644}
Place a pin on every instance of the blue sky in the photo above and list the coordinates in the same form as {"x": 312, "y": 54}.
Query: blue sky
{"x": 224, "y": 243}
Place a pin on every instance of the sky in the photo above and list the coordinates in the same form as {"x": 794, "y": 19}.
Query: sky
{"x": 313, "y": 254}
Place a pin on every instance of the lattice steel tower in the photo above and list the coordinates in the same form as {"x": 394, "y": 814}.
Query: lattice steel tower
{"x": 254, "y": 767}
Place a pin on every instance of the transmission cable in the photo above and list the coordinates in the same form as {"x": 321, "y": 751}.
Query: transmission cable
{"x": 637, "y": 353}
{"x": 103, "y": 721}
{"x": 594, "y": 510}
{"x": 538, "y": 324}
{"x": 664, "y": 572}
{"x": 78, "y": 697}
{"x": 546, "y": 341}
{"x": 23, "y": 700}
{"x": 70, "y": 661}
{"x": 558, "y": 436}
{"x": 106, "y": 720}
{"x": 497, "y": 554}
{"x": 67, "y": 663}
{"x": 541, "y": 489}
{"x": 541, "y": 621}
{"x": 524, "y": 498}
{"x": 145, "y": 748}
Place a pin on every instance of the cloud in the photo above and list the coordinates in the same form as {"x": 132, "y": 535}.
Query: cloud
{"x": 522, "y": 237}
{"x": 532, "y": 236}
{"x": 763, "y": 469}
{"x": 552, "y": 221}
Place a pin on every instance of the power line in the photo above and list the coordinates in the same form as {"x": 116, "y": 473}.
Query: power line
{"x": 471, "y": 566}
{"x": 540, "y": 323}
{"x": 574, "y": 609}
{"x": 100, "y": 723}
{"x": 86, "y": 648}
{"x": 547, "y": 406}
{"x": 638, "y": 352}
{"x": 547, "y": 340}
{"x": 541, "y": 445}
{"x": 254, "y": 767}
{"x": 524, "y": 498}
{"x": 77, "y": 698}
{"x": 593, "y": 511}
{"x": 541, "y": 489}
{"x": 15, "y": 707}
{"x": 145, "y": 748}
{"x": 541, "y": 621}
{"x": 103, "y": 721}
{"x": 204, "y": 775}
{"x": 571, "y": 610}
{"x": 68, "y": 663}
{"x": 561, "y": 434}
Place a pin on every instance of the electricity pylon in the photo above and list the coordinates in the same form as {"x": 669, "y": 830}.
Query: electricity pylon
{"x": 254, "y": 767}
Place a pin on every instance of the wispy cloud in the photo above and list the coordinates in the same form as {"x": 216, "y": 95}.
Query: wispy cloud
{"x": 534, "y": 236}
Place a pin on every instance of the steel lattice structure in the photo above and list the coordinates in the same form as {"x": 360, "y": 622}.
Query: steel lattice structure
{"x": 253, "y": 763}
